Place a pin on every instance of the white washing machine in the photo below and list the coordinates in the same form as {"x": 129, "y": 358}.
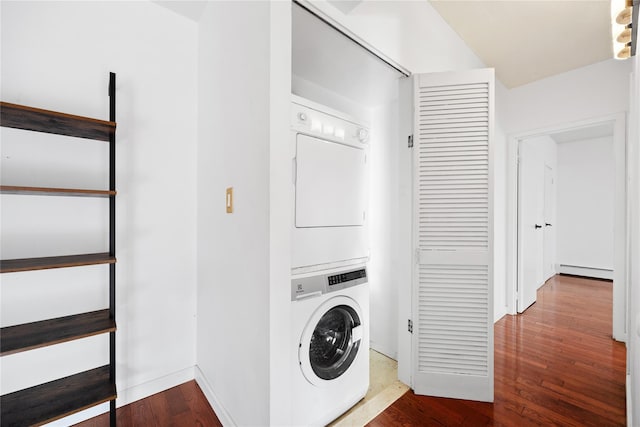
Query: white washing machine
{"x": 330, "y": 342}
{"x": 330, "y": 188}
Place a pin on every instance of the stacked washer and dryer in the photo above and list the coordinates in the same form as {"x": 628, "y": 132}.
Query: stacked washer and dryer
{"x": 330, "y": 250}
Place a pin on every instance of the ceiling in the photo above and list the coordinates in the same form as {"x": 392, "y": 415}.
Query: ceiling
{"x": 524, "y": 40}
{"x": 529, "y": 40}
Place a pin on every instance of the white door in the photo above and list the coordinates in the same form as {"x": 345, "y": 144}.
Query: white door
{"x": 452, "y": 286}
{"x": 549, "y": 220}
{"x": 530, "y": 222}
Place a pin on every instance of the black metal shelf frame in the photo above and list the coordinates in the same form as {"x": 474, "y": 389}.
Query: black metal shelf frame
{"x": 112, "y": 242}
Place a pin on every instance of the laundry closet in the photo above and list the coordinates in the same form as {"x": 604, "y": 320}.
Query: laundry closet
{"x": 343, "y": 116}
{"x": 448, "y": 210}
{"x": 429, "y": 215}
{"x": 333, "y": 71}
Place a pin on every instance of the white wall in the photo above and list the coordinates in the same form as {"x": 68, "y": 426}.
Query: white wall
{"x": 586, "y": 203}
{"x": 57, "y": 55}
{"x": 382, "y": 216}
{"x": 589, "y": 92}
{"x": 633, "y": 348}
{"x": 281, "y": 214}
{"x": 500, "y": 292}
{"x": 244, "y": 257}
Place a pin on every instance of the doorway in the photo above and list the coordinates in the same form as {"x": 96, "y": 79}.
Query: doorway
{"x": 615, "y": 127}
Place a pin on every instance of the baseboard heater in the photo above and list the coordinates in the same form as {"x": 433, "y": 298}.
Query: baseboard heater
{"x": 578, "y": 270}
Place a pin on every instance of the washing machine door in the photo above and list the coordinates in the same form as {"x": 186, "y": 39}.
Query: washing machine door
{"x": 331, "y": 340}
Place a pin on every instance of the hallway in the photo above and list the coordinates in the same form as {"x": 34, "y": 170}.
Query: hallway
{"x": 555, "y": 364}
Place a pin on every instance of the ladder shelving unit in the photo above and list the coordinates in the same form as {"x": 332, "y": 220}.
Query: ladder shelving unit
{"x": 53, "y": 400}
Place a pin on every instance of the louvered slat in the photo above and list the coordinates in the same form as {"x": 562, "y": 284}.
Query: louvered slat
{"x": 465, "y": 330}
{"x": 455, "y": 161}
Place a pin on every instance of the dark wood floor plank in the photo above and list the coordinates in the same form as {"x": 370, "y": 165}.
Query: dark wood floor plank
{"x": 556, "y": 364}
{"x": 176, "y": 402}
{"x": 184, "y": 405}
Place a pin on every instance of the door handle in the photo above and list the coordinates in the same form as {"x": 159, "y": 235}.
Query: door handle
{"x": 546, "y": 224}
{"x": 538, "y": 226}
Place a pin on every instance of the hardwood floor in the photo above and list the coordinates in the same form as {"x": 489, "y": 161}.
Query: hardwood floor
{"x": 184, "y": 405}
{"x": 556, "y": 364}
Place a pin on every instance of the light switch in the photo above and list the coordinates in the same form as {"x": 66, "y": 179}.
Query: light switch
{"x": 229, "y": 200}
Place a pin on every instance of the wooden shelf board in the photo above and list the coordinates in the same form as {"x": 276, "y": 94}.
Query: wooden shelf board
{"x": 48, "y": 191}
{"x": 28, "y": 336}
{"x": 30, "y": 264}
{"x": 39, "y": 120}
{"x": 57, "y": 399}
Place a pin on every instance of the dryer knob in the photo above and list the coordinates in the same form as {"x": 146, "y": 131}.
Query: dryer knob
{"x": 363, "y": 134}
{"x": 302, "y": 117}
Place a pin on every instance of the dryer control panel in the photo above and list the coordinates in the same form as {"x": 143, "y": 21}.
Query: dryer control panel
{"x": 312, "y": 286}
{"x": 327, "y": 124}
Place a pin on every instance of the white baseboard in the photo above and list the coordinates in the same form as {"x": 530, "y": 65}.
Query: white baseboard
{"x": 386, "y": 350}
{"x": 129, "y": 395}
{"x": 221, "y": 413}
{"x": 597, "y": 273}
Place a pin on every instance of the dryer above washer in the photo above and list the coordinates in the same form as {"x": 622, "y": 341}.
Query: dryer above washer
{"x": 330, "y": 188}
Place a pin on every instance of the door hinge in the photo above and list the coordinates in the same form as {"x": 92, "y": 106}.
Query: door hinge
{"x": 410, "y": 326}
{"x": 410, "y": 141}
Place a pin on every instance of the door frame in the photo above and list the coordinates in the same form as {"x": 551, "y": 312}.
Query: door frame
{"x": 520, "y": 260}
{"x": 620, "y": 282}
{"x": 551, "y": 215}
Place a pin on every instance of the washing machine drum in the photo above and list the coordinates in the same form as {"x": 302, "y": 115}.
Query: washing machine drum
{"x": 331, "y": 340}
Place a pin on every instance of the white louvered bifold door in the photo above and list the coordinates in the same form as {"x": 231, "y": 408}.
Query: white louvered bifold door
{"x": 453, "y": 290}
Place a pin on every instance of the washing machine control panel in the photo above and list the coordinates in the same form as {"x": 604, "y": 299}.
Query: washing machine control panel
{"x": 311, "y": 286}
{"x": 347, "y": 277}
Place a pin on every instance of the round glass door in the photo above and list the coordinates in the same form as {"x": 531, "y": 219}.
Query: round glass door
{"x": 333, "y": 346}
